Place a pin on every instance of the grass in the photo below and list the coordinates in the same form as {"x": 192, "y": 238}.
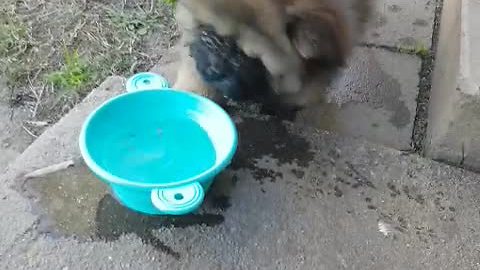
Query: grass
{"x": 170, "y": 2}
{"x": 422, "y": 51}
{"x": 13, "y": 44}
{"x": 74, "y": 76}
{"x": 52, "y": 53}
{"x": 419, "y": 49}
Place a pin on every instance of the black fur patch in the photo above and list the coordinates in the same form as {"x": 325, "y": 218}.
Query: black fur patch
{"x": 229, "y": 71}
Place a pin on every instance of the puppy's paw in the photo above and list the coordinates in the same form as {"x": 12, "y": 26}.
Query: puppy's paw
{"x": 287, "y": 84}
{"x": 190, "y": 86}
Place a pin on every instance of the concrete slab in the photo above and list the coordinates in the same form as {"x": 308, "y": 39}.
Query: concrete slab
{"x": 374, "y": 98}
{"x": 17, "y": 220}
{"x": 293, "y": 198}
{"x": 62, "y": 139}
{"x": 402, "y": 24}
{"x": 454, "y": 125}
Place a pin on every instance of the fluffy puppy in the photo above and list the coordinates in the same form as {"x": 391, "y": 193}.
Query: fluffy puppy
{"x": 266, "y": 50}
{"x": 258, "y": 28}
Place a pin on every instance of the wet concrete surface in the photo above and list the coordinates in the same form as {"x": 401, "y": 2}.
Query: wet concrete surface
{"x": 67, "y": 201}
{"x": 293, "y": 199}
{"x": 373, "y": 98}
{"x": 74, "y": 203}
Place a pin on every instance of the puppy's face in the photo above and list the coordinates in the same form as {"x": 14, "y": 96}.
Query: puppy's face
{"x": 319, "y": 32}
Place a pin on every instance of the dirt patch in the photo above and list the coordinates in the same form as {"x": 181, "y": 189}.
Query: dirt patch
{"x": 52, "y": 53}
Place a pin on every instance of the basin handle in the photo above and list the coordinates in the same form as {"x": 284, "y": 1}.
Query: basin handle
{"x": 146, "y": 81}
{"x": 178, "y": 200}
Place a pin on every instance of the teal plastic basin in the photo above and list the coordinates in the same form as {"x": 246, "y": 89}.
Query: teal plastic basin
{"x": 158, "y": 150}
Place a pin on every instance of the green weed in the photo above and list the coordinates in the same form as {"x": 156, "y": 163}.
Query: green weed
{"x": 419, "y": 49}
{"x": 422, "y": 51}
{"x": 170, "y": 2}
{"x": 74, "y": 76}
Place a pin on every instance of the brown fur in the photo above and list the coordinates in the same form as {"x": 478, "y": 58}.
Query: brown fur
{"x": 260, "y": 31}
{"x": 300, "y": 42}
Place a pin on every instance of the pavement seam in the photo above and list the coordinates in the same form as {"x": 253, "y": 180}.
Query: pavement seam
{"x": 393, "y": 49}
{"x": 420, "y": 123}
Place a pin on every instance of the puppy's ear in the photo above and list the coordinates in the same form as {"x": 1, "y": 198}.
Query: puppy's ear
{"x": 319, "y": 33}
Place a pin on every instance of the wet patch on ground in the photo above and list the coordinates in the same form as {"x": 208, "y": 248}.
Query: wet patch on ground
{"x": 113, "y": 220}
{"x": 74, "y": 203}
{"x": 269, "y": 136}
{"x": 413, "y": 212}
{"x": 259, "y": 138}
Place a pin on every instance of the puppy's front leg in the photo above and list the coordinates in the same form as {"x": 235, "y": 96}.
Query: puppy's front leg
{"x": 283, "y": 64}
{"x": 188, "y": 78}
